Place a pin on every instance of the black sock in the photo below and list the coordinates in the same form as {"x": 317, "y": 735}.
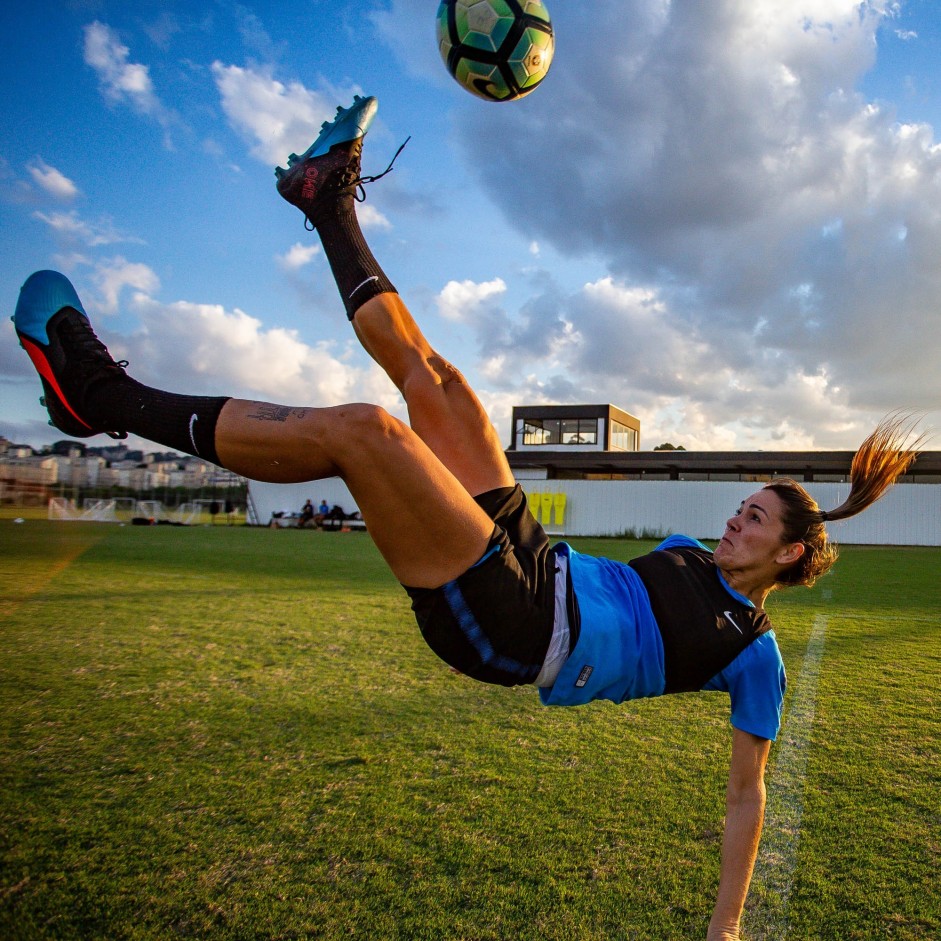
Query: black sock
{"x": 357, "y": 273}
{"x": 184, "y": 423}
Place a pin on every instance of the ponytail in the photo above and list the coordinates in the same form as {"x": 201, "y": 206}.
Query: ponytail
{"x": 881, "y": 459}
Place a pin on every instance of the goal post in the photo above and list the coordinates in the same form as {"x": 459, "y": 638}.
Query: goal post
{"x": 93, "y": 511}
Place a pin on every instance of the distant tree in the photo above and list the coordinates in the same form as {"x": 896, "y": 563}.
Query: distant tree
{"x": 666, "y": 446}
{"x": 67, "y": 447}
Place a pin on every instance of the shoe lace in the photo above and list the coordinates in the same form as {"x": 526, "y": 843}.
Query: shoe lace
{"x": 97, "y": 362}
{"x": 83, "y": 340}
{"x": 359, "y": 183}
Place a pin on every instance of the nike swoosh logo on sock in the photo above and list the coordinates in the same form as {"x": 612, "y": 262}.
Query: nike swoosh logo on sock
{"x": 363, "y": 284}
{"x": 193, "y": 419}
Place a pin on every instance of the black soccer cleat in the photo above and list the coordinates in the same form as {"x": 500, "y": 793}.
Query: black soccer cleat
{"x": 330, "y": 167}
{"x": 54, "y": 329}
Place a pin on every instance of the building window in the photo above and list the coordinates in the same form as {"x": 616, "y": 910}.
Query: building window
{"x": 622, "y": 437}
{"x": 555, "y": 432}
{"x": 580, "y": 431}
{"x": 537, "y": 431}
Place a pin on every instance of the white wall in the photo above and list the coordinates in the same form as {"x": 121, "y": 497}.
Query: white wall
{"x": 908, "y": 515}
{"x": 273, "y": 498}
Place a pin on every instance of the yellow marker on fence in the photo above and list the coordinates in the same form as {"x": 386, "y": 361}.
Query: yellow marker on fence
{"x": 535, "y": 502}
{"x": 546, "y": 499}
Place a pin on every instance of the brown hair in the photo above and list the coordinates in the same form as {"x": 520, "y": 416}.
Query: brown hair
{"x": 881, "y": 459}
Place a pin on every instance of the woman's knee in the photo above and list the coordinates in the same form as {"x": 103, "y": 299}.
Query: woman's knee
{"x": 361, "y": 424}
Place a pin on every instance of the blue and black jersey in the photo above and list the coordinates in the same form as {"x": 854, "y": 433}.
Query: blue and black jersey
{"x": 669, "y": 622}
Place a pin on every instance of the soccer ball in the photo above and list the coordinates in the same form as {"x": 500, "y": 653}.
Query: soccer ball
{"x": 499, "y": 50}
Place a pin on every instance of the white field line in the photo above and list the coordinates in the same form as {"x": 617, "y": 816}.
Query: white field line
{"x": 894, "y": 618}
{"x": 775, "y": 867}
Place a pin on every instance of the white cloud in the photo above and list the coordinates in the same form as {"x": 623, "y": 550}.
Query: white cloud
{"x": 371, "y": 219}
{"x": 121, "y": 81}
{"x": 278, "y": 119}
{"x": 204, "y": 348}
{"x": 113, "y": 276}
{"x": 72, "y": 229}
{"x": 297, "y": 256}
{"x": 704, "y": 386}
{"x": 459, "y": 298}
{"x": 53, "y": 181}
{"x": 771, "y": 237}
{"x": 68, "y": 261}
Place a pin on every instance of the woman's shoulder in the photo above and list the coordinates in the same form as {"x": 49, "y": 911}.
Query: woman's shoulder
{"x": 679, "y": 541}
{"x": 762, "y": 653}
{"x": 759, "y": 665}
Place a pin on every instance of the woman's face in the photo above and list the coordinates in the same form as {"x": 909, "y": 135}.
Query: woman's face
{"x": 754, "y": 538}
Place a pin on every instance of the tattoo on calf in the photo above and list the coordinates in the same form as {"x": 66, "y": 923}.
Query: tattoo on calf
{"x": 265, "y": 412}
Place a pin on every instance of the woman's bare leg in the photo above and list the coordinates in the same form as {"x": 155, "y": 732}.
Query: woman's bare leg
{"x": 421, "y": 517}
{"x": 443, "y": 409}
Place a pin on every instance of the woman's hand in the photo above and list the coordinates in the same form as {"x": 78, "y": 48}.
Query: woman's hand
{"x": 723, "y": 934}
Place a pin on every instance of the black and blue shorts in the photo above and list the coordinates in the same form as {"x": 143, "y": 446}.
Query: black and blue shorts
{"x": 494, "y": 622}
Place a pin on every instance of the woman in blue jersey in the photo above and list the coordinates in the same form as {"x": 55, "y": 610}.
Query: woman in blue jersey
{"x": 491, "y": 596}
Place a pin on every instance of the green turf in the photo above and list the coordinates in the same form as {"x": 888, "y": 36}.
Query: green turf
{"x": 237, "y": 733}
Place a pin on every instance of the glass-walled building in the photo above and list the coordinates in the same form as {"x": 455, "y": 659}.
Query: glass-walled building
{"x": 574, "y": 428}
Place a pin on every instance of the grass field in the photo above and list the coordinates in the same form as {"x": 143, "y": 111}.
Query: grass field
{"x": 237, "y": 733}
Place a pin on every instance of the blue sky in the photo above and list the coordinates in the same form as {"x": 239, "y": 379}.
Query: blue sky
{"x": 724, "y": 218}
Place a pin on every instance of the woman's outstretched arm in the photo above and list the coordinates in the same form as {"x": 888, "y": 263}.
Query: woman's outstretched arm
{"x": 745, "y": 809}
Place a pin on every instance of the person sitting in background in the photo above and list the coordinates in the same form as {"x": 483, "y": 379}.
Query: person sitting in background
{"x": 307, "y": 515}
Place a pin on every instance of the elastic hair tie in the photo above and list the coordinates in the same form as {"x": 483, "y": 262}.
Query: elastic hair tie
{"x": 824, "y": 516}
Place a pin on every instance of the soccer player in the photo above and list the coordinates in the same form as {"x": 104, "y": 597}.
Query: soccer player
{"x": 491, "y": 596}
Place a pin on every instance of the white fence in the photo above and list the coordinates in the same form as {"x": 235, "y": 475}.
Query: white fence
{"x": 289, "y": 498}
{"x": 908, "y": 515}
